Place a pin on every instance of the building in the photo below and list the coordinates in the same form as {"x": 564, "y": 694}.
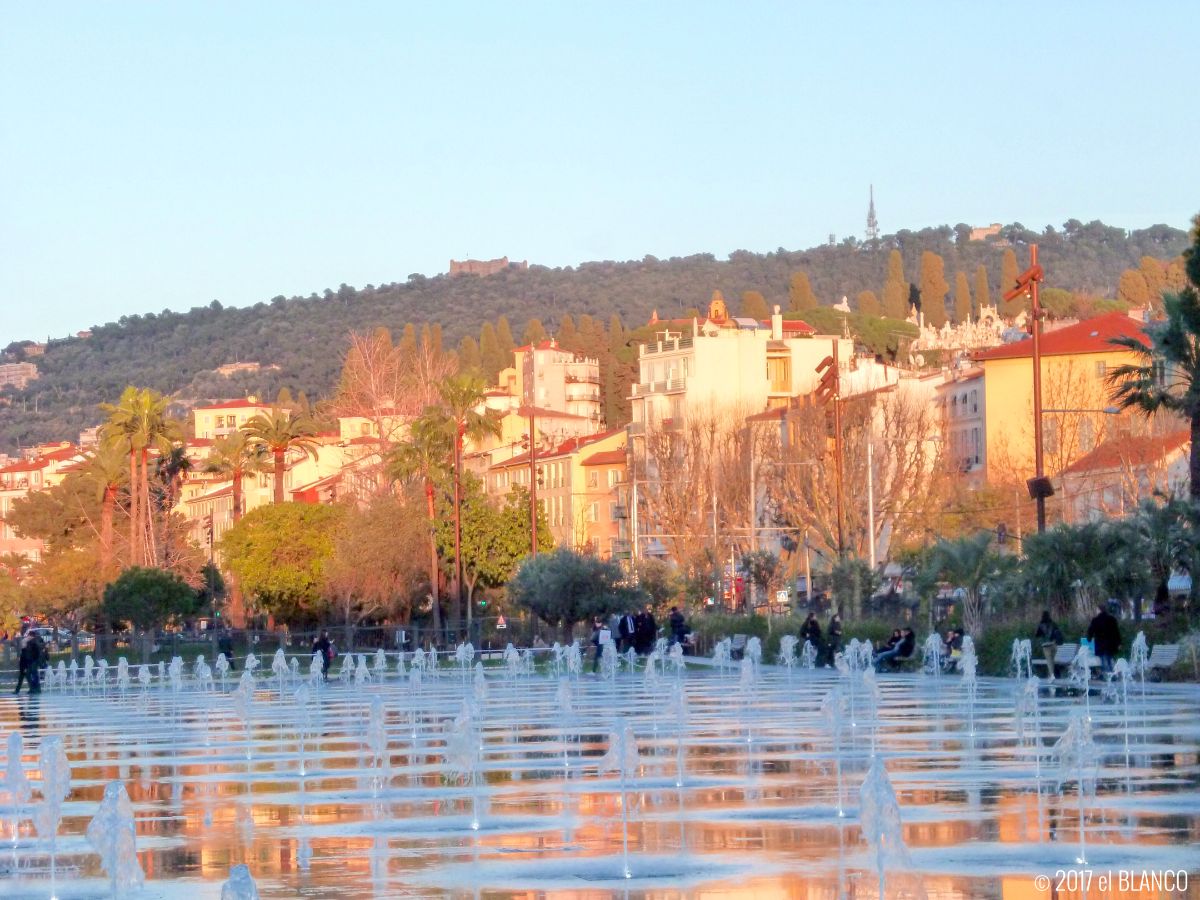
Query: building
{"x": 961, "y": 401}
{"x": 485, "y": 267}
{"x": 987, "y": 231}
{"x": 17, "y": 374}
{"x": 564, "y": 488}
{"x": 1075, "y": 396}
{"x": 605, "y": 503}
{"x": 43, "y": 467}
{"x": 549, "y": 377}
{"x": 221, "y": 419}
{"x": 1113, "y": 478}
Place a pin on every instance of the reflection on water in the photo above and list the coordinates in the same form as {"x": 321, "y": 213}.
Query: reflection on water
{"x": 369, "y": 789}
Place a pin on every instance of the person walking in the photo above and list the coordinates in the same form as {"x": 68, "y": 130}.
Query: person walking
{"x": 1105, "y": 634}
{"x": 678, "y": 625}
{"x": 323, "y": 646}
{"x": 834, "y": 632}
{"x": 810, "y": 631}
{"x": 29, "y": 662}
{"x": 1049, "y": 636}
{"x": 626, "y": 632}
{"x": 225, "y": 645}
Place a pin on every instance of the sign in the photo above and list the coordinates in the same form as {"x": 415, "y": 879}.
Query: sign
{"x": 500, "y": 623}
{"x": 781, "y": 597}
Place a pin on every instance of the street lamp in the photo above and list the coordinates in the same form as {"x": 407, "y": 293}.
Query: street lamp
{"x": 1027, "y": 285}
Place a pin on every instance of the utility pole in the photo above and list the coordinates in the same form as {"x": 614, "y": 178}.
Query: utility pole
{"x": 1027, "y": 285}
{"x": 870, "y": 501}
{"x": 829, "y": 390}
{"x": 753, "y": 512}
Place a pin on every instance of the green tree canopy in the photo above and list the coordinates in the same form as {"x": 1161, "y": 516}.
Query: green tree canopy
{"x": 280, "y": 554}
{"x": 564, "y": 587}
{"x": 148, "y": 598}
{"x": 933, "y": 289}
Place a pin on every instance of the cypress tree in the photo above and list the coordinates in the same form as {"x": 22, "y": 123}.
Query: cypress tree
{"x": 535, "y": 332}
{"x": 962, "y": 298}
{"x": 1008, "y": 280}
{"x": 468, "y": 355}
{"x": 800, "y": 294}
{"x": 754, "y": 306}
{"x": 868, "y": 303}
{"x": 933, "y": 289}
{"x": 895, "y": 288}
{"x": 490, "y": 357}
{"x": 982, "y": 294}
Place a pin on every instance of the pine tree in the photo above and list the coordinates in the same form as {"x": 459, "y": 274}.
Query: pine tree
{"x": 868, "y": 304}
{"x": 962, "y": 298}
{"x": 535, "y": 332}
{"x": 616, "y": 333}
{"x": 435, "y": 338}
{"x": 491, "y": 360}
{"x": 895, "y": 288}
{"x": 1132, "y": 288}
{"x": 1008, "y": 280}
{"x": 408, "y": 340}
{"x": 800, "y": 294}
{"x": 982, "y": 294}
{"x": 504, "y": 337}
{"x": 754, "y": 306}
{"x": 568, "y": 337}
{"x": 933, "y": 289}
{"x": 469, "y": 359}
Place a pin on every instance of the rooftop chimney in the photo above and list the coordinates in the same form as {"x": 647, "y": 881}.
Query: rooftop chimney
{"x": 776, "y": 325}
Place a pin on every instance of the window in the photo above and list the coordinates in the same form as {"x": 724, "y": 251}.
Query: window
{"x": 614, "y": 477}
{"x": 974, "y": 401}
{"x": 612, "y": 511}
{"x": 593, "y": 479}
{"x": 779, "y": 374}
{"x": 220, "y": 422}
{"x": 1101, "y": 369}
{"x": 593, "y": 512}
{"x": 364, "y": 429}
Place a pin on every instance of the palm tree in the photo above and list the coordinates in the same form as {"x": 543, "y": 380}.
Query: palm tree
{"x": 233, "y": 457}
{"x": 971, "y": 564}
{"x": 138, "y": 425}
{"x": 462, "y": 396}
{"x": 107, "y": 471}
{"x": 423, "y": 457}
{"x": 1166, "y": 376}
{"x": 278, "y": 432}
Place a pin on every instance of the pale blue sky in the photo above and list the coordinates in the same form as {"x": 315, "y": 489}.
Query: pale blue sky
{"x": 162, "y": 155}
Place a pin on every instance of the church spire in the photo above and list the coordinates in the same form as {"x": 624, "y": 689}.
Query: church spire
{"x": 872, "y": 222}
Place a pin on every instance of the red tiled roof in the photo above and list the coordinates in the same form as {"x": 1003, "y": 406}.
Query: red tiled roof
{"x": 319, "y": 483}
{"x": 546, "y": 413}
{"x": 606, "y": 458}
{"x": 236, "y": 404}
{"x": 30, "y": 465}
{"x": 1134, "y": 451}
{"x": 200, "y": 442}
{"x": 1089, "y": 336}
{"x": 798, "y": 325}
{"x": 568, "y": 446}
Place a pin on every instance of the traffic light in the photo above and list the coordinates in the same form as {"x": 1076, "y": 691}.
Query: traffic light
{"x": 827, "y": 388}
{"x": 483, "y": 603}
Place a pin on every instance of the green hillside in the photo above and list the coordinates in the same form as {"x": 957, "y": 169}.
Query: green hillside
{"x": 176, "y": 352}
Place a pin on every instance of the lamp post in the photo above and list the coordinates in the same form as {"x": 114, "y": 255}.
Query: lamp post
{"x": 533, "y": 541}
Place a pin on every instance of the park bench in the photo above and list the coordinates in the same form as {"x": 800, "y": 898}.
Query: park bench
{"x": 1062, "y": 657}
{"x": 737, "y": 647}
{"x": 1162, "y": 657}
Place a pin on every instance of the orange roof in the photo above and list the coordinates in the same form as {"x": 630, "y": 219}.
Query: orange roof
{"x": 1089, "y": 336}
{"x": 546, "y": 413}
{"x": 606, "y": 458}
{"x": 568, "y": 446}
{"x": 236, "y": 404}
{"x": 31, "y": 465}
{"x": 1134, "y": 451}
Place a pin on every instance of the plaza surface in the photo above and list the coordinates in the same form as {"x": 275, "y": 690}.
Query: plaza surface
{"x": 714, "y": 782}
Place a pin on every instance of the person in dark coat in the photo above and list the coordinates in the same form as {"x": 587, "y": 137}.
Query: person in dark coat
{"x": 626, "y": 632}
{"x": 647, "y": 631}
{"x": 325, "y": 648}
{"x": 834, "y": 633}
{"x": 811, "y": 631}
{"x": 225, "y": 645}
{"x": 29, "y": 663}
{"x": 1105, "y": 635}
{"x": 1048, "y": 636}
{"x": 678, "y": 625}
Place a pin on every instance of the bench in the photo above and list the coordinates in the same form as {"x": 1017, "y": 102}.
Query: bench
{"x": 1062, "y": 657}
{"x": 737, "y": 647}
{"x": 1162, "y": 657}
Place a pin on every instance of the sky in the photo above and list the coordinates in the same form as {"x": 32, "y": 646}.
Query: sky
{"x": 159, "y": 156}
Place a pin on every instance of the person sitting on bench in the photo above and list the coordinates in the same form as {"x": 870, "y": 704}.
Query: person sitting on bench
{"x": 902, "y": 649}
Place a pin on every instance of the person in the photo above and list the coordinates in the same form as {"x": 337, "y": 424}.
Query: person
{"x": 811, "y": 631}
{"x": 890, "y": 648}
{"x": 834, "y": 631}
{"x": 26, "y": 672}
{"x": 678, "y": 625}
{"x": 323, "y": 646}
{"x": 905, "y": 644}
{"x": 601, "y": 635}
{"x": 647, "y": 631}
{"x": 1048, "y": 636}
{"x": 1105, "y": 634}
{"x": 626, "y": 632}
{"x": 225, "y": 645}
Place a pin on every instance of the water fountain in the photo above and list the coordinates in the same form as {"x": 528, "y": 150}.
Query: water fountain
{"x": 754, "y": 653}
{"x": 251, "y": 664}
{"x": 1021, "y": 658}
{"x": 675, "y": 655}
{"x": 55, "y": 788}
{"x": 280, "y": 668}
{"x": 222, "y": 668}
{"x": 1080, "y": 675}
{"x": 1077, "y": 760}
{"x": 833, "y": 713}
{"x": 111, "y": 832}
{"x": 879, "y": 817}
{"x": 362, "y": 674}
{"x": 240, "y": 885}
{"x": 122, "y": 674}
{"x": 144, "y": 678}
{"x": 933, "y": 652}
{"x": 380, "y": 665}
{"x": 102, "y": 676}
{"x": 722, "y": 653}
{"x": 377, "y": 742}
{"x": 574, "y": 660}
{"x": 346, "y": 671}
{"x": 175, "y": 673}
{"x": 1029, "y": 724}
{"x": 787, "y": 652}
{"x": 462, "y": 757}
{"x": 203, "y": 674}
{"x": 968, "y": 665}
{"x": 609, "y": 660}
{"x": 243, "y": 700}
{"x": 622, "y": 757}
{"x": 16, "y": 784}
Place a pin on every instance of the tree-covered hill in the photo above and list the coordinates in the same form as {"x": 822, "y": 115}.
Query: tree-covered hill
{"x": 304, "y": 337}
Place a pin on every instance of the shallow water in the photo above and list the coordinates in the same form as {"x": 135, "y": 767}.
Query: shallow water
{"x": 738, "y": 800}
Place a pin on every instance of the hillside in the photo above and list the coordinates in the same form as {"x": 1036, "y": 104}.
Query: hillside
{"x": 304, "y": 336}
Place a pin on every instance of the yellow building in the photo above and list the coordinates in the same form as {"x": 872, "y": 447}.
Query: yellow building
{"x": 1075, "y": 395}
{"x": 219, "y": 419}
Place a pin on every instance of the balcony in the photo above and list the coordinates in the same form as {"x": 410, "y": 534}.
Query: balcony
{"x": 670, "y": 346}
{"x": 667, "y": 386}
{"x": 582, "y": 378}
{"x": 636, "y": 427}
{"x": 578, "y": 391}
